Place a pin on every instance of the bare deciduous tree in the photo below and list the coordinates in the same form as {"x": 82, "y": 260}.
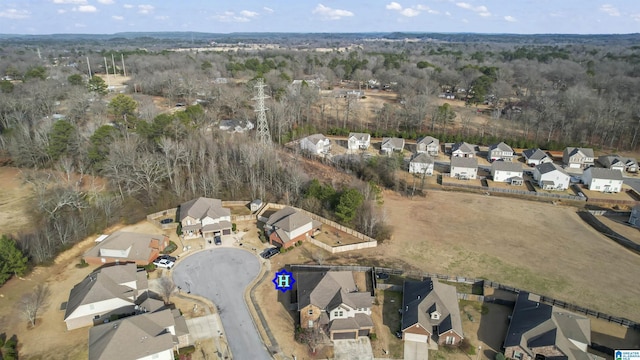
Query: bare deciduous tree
{"x": 167, "y": 287}
{"x": 33, "y": 302}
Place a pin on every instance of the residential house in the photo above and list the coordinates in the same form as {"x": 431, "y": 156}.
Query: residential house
{"x": 550, "y": 176}
{"x": 204, "y": 217}
{"x": 430, "y": 313}
{"x": 316, "y": 144}
{"x": 235, "y": 126}
{"x": 113, "y": 290}
{"x": 287, "y": 226}
{"x": 421, "y": 163}
{"x": 509, "y": 172}
{"x": 634, "y": 218}
{"x": 146, "y": 336}
{"x": 429, "y": 145}
{"x": 331, "y": 301}
{"x": 603, "y": 180}
{"x": 578, "y": 158}
{"x": 501, "y": 152}
{"x": 541, "y": 331}
{"x": 464, "y": 168}
{"x": 357, "y": 141}
{"x": 533, "y": 157}
{"x": 463, "y": 150}
{"x": 391, "y": 144}
{"x": 620, "y": 163}
{"x": 311, "y": 85}
{"x": 124, "y": 247}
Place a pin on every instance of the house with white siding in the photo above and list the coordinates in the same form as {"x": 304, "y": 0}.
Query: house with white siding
{"x": 603, "y": 180}
{"x": 533, "y": 157}
{"x": 391, "y": 144}
{"x": 464, "y": 168}
{"x": 501, "y": 152}
{"x": 578, "y": 158}
{"x": 429, "y": 145}
{"x": 508, "y": 172}
{"x": 463, "y": 149}
{"x": 316, "y": 144}
{"x": 113, "y": 290}
{"x": 550, "y": 176}
{"x": 205, "y": 217}
{"x": 421, "y": 163}
{"x": 358, "y": 141}
{"x": 620, "y": 163}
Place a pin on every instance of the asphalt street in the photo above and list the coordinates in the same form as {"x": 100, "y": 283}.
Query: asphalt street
{"x": 222, "y": 275}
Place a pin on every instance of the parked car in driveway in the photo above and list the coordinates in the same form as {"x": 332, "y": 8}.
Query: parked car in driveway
{"x": 217, "y": 240}
{"x": 166, "y": 257}
{"x": 270, "y": 252}
{"x": 166, "y": 221}
{"x": 164, "y": 264}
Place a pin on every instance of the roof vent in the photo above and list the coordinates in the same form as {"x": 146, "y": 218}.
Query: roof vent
{"x": 418, "y": 297}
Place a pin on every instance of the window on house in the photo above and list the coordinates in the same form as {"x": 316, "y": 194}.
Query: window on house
{"x": 310, "y": 312}
{"x": 517, "y": 355}
{"x": 449, "y": 340}
{"x": 310, "y": 324}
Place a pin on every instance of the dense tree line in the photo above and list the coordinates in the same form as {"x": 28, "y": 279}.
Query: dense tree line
{"x": 54, "y": 117}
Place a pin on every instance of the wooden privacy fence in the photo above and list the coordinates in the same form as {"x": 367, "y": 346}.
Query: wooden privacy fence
{"x": 155, "y": 218}
{"x": 590, "y": 219}
{"x": 513, "y": 191}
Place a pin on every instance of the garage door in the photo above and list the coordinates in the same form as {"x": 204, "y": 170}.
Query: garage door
{"x": 344, "y": 336}
{"x": 363, "y": 332}
{"x": 416, "y": 337}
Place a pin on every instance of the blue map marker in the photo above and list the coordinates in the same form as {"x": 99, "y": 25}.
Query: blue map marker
{"x": 283, "y": 280}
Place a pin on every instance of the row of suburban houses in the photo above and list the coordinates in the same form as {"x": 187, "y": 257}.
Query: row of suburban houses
{"x": 464, "y": 164}
{"x": 330, "y": 302}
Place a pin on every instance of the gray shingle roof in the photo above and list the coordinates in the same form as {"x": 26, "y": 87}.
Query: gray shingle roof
{"x": 427, "y": 140}
{"x": 133, "y": 337}
{"x": 288, "y": 219}
{"x": 535, "y": 324}
{"x": 464, "y": 162}
{"x": 105, "y": 284}
{"x": 422, "y": 298}
{"x": 316, "y": 138}
{"x": 422, "y": 158}
{"x": 588, "y": 152}
{"x": 202, "y": 207}
{"x": 534, "y": 154}
{"x": 501, "y": 146}
{"x": 132, "y": 246}
{"x": 601, "y": 173}
{"x": 506, "y": 166}
{"x": 326, "y": 290}
{"x": 392, "y": 143}
{"x": 360, "y": 136}
{"x": 464, "y": 147}
{"x": 549, "y": 167}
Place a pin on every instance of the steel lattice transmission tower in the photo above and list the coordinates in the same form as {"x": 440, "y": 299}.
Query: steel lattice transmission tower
{"x": 264, "y": 136}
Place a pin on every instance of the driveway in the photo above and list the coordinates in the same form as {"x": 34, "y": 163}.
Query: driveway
{"x": 222, "y": 275}
{"x": 353, "y": 349}
{"x": 414, "y": 350}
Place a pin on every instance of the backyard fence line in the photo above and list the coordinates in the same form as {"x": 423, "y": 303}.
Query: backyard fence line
{"x": 590, "y": 219}
{"x": 156, "y": 217}
{"x": 513, "y": 191}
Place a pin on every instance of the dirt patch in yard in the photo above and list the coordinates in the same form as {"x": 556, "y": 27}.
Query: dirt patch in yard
{"x": 13, "y": 201}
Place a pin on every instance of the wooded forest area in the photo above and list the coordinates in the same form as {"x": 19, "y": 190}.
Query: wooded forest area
{"x": 111, "y": 156}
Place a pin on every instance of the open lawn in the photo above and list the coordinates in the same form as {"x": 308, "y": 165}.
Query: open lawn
{"x": 535, "y": 246}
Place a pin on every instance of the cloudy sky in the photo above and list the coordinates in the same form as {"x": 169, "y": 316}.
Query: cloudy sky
{"x": 224, "y": 16}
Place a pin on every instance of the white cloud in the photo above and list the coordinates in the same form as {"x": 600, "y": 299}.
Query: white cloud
{"x": 230, "y": 16}
{"x": 127, "y": 6}
{"x": 73, "y": 2}
{"x": 249, "y": 14}
{"x": 427, "y": 9}
{"x": 394, "y": 6}
{"x": 85, "y": 8}
{"x": 162, "y": 17}
{"x": 447, "y": 13}
{"x": 106, "y": 2}
{"x": 269, "y": 10}
{"x": 636, "y": 17}
{"x": 145, "y": 9}
{"x": 409, "y": 12}
{"x": 510, "y": 18}
{"x": 328, "y": 13}
{"x": 609, "y": 10}
{"x": 15, "y": 14}
{"x": 480, "y": 10}
{"x": 79, "y": 25}
{"x": 117, "y": 17}
{"x": 61, "y": 11}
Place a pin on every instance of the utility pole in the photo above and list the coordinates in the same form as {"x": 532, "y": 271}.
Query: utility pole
{"x": 264, "y": 136}
{"x": 89, "y": 66}
{"x": 124, "y": 71}
{"x": 106, "y": 68}
{"x": 114, "y": 66}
